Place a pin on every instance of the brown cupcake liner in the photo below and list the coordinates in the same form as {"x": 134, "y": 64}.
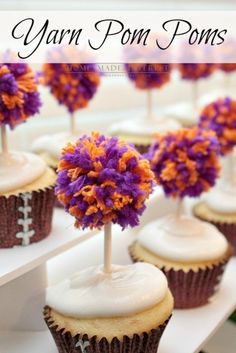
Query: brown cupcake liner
{"x": 226, "y": 228}
{"x": 26, "y": 218}
{"x": 142, "y": 149}
{"x": 192, "y": 289}
{"x": 57, "y": 203}
{"x": 147, "y": 342}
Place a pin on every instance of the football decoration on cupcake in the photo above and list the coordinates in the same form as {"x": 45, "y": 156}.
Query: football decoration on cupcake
{"x": 73, "y": 85}
{"x": 185, "y": 162}
{"x": 103, "y": 180}
{"x": 220, "y": 116}
{"x": 19, "y": 97}
{"x": 26, "y": 184}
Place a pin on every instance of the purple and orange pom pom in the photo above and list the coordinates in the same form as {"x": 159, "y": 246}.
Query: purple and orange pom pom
{"x": 101, "y": 180}
{"x": 148, "y": 76}
{"x": 220, "y": 116}
{"x": 227, "y": 67}
{"x": 185, "y": 162}
{"x": 195, "y": 71}
{"x": 19, "y": 97}
{"x": 73, "y": 85}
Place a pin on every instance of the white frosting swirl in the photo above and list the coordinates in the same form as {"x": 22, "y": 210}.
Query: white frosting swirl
{"x": 53, "y": 144}
{"x": 183, "y": 112}
{"x": 222, "y": 198}
{"x": 144, "y": 127}
{"x": 92, "y": 293}
{"x": 184, "y": 239}
{"x": 18, "y": 169}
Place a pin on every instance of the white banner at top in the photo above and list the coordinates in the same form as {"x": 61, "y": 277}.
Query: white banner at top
{"x": 118, "y": 36}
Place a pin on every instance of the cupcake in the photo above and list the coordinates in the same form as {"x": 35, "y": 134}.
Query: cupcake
{"x": 73, "y": 86}
{"x": 219, "y": 206}
{"x": 26, "y": 183}
{"x": 187, "y": 112}
{"x": 125, "y": 311}
{"x": 107, "y": 308}
{"x": 191, "y": 253}
{"x": 142, "y": 133}
{"x": 147, "y": 77}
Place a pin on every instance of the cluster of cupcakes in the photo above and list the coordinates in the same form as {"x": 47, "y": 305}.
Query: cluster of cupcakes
{"x": 178, "y": 260}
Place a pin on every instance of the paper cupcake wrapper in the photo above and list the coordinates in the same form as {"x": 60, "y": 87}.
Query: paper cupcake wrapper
{"x": 142, "y": 149}
{"x": 26, "y": 218}
{"x": 228, "y": 229}
{"x": 147, "y": 342}
{"x": 57, "y": 203}
{"x": 192, "y": 289}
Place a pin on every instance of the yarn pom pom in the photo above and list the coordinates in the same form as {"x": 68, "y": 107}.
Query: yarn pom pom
{"x": 101, "y": 180}
{"x": 19, "y": 97}
{"x": 148, "y": 76}
{"x": 227, "y": 67}
{"x": 144, "y": 67}
{"x": 220, "y": 116}
{"x": 73, "y": 85}
{"x": 185, "y": 162}
{"x": 195, "y": 71}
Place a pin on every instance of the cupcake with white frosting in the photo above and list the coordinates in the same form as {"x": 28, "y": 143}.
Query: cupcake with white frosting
{"x": 187, "y": 112}
{"x": 191, "y": 253}
{"x": 142, "y": 132}
{"x": 73, "y": 86}
{"x": 126, "y": 308}
{"x": 219, "y": 206}
{"x": 148, "y": 76}
{"x": 49, "y": 147}
{"x": 107, "y": 308}
{"x": 26, "y": 183}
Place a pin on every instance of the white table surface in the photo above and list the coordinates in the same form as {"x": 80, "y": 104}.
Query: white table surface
{"x": 16, "y": 261}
